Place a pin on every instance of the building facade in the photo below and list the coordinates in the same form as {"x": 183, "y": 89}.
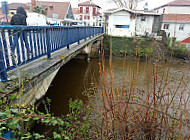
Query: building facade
{"x": 125, "y": 22}
{"x": 58, "y": 13}
{"x": 89, "y": 14}
{"x": 176, "y": 18}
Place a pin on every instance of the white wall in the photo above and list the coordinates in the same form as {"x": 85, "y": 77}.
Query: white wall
{"x": 179, "y": 34}
{"x": 121, "y": 18}
{"x": 144, "y": 26}
{"x": 174, "y": 10}
{"x": 36, "y": 19}
{"x": 179, "y": 10}
{"x": 160, "y": 10}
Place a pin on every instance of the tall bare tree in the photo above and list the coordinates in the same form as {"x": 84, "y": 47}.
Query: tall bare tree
{"x": 130, "y": 4}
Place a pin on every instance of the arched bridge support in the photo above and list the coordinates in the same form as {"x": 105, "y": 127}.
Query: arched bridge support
{"x": 91, "y": 50}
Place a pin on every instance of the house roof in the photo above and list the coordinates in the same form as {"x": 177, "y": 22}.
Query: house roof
{"x": 13, "y": 6}
{"x": 51, "y": 8}
{"x": 176, "y": 3}
{"x": 139, "y": 12}
{"x": 187, "y": 40}
{"x": 176, "y": 17}
{"x": 75, "y": 10}
{"x": 88, "y": 3}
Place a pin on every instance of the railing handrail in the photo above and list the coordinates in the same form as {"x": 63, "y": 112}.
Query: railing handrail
{"x": 20, "y": 27}
{"x": 23, "y": 44}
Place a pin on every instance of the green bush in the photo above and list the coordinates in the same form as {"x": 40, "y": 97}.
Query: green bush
{"x": 179, "y": 51}
{"x": 129, "y": 45}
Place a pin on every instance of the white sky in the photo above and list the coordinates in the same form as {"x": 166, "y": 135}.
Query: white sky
{"x": 102, "y": 3}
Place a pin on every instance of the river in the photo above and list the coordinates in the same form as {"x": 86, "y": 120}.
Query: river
{"x": 74, "y": 77}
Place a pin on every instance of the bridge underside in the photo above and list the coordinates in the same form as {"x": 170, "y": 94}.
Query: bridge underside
{"x": 34, "y": 78}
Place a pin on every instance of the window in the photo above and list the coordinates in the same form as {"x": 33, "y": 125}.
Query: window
{"x": 164, "y": 10}
{"x": 86, "y": 17}
{"x": 94, "y": 11}
{"x": 181, "y": 27}
{"x": 80, "y": 17}
{"x": 188, "y": 45}
{"x": 12, "y": 13}
{"x": 87, "y": 10}
{"x": 166, "y": 26}
{"x": 122, "y": 26}
{"x": 143, "y": 18}
{"x": 55, "y": 15}
{"x": 81, "y": 9}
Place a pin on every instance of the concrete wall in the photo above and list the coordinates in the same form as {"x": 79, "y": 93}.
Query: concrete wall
{"x": 179, "y": 34}
{"x": 39, "y": 90}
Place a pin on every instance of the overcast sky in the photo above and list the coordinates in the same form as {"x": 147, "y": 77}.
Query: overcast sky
{"x": 102, "y": 3}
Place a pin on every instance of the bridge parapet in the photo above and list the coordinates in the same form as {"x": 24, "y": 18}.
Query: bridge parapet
{"x": 22, "y": 44}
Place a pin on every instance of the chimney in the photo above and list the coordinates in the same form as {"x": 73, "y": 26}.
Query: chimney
{"x": 146, "y": 6}
{"x": 33, "y": 2}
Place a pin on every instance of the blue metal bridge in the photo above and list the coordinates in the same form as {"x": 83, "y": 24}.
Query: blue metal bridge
{"x": 22, "y": 44}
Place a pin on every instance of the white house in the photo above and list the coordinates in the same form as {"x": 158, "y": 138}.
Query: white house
{"x": 176, "y": 18}
{"x": 176, "y": 25}
{"x": 175, "y": 7}
{"x": 36, "y": 19}
{"x": 126, "y": 22}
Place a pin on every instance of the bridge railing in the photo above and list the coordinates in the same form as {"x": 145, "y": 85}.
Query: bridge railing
{"x": 22, "y": 44}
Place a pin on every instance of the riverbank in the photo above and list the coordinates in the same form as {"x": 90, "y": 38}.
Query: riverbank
{"x": 146, "y": 49}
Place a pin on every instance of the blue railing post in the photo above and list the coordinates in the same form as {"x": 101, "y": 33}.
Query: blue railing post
{"x": 90, "y": 30}
{"x": 3, "y": 71}
{"x": 48, "y": 43}
{"x": 93, "y": 31}
{"x": 85, "y": 33}
{"x": 78, "y": 29}
{"x": 68, "y": 38}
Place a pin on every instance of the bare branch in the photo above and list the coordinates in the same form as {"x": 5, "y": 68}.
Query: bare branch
{"x": 130, "y": 4}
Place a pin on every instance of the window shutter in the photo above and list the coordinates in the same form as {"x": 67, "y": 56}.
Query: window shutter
{"x": 81, "y": 9}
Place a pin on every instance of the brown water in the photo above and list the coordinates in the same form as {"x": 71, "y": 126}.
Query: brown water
{"x": 75, "y": 76}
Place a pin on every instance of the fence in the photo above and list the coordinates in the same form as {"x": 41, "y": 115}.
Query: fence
{"x": 22, "y": 44}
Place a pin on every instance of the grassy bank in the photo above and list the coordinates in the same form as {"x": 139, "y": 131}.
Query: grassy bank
{"x": 130, "y": 46}
{"x": 143, "y": 47}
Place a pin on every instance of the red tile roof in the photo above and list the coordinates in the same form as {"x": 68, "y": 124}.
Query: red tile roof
{"x": 187, "y": 40}
{"x": 176, "y": 17}
{"x": 59, "y": 8}
{"x": 75, "y": 10}
{"x": 88, "y": 3}
{"x": 13, "y": 6}
{"x": 179, "y": 3}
